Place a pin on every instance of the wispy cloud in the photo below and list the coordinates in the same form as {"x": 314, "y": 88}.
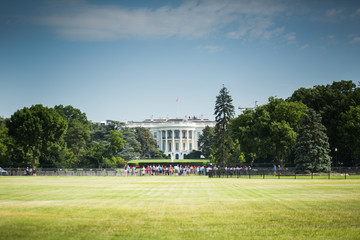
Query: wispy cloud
{"x": 333, "y": 12}
{"x": 290, "y": 37}
{"x": 238, "y": 19}
{"x": 304, "y": 46}
{"x": 210, "y": 48}
{"x": 355, "y": 39}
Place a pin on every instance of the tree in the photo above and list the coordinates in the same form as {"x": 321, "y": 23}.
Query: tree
{"x": 77, "y": 135}
{"x": 207, "y": 141}
{"x": 116, "y": 142}
{"x": 224, "y": 112}
{"x": 312, "y": 145}
{"x": 69, "y": 113}
{"x": 148, "y": 145}
{"x": 349, "y": 132}
{"x": 281, "y": 142}
{"x": 270, "y": 130}
{"x": 330, "y": 101}
{"x": 132, "y": 147}
{"x": 4, "y": 140}
{"x": 35, "y": 129}
{"x": 237, "y": 156}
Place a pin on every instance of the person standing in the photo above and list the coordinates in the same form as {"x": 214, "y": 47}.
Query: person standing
{"x": 274, "y": 169}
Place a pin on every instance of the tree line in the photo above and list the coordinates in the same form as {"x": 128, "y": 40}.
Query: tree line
{"x": 63, "y": 137}
{"x": 314, "y": 129}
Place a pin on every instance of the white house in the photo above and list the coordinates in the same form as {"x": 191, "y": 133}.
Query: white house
{"x": 175, "y": 137}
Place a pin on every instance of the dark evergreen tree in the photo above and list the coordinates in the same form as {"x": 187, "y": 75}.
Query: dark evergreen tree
{"x": 224, "y": 112}
{"x": 312, "y": 145}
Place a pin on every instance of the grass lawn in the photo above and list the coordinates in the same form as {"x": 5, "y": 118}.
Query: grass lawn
{"x": 178, "y": 208}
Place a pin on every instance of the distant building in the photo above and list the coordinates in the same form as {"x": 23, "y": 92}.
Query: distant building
{"x": 175, "y": 137}
{"x": 101, "y": 123}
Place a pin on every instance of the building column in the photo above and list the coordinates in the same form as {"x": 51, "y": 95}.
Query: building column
{"x": 162, "y": 141}
{"x": 166, "y": 141}
{"x": 195, "y": 146}
{"x": 192, "y": 139}
{"x": 173, "y": 142}
{"x": 180, "y": 147}
{"x": 187, "y": 141}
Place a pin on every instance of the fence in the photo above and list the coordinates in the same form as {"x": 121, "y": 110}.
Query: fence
{"x": 258, "y": 173}
{"x": 99, "y": 172}
{"x": 288, "y": 173}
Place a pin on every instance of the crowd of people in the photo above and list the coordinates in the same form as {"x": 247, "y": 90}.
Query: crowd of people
{"x": 160, "y": 170}
{"x": 179, "y": 170}
{"x": 30, "y": 171}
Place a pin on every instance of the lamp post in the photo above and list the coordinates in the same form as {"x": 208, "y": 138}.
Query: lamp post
{"x": 336, "y": 150}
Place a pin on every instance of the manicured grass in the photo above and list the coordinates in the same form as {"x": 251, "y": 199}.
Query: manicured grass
{"x": 178, "y": 208}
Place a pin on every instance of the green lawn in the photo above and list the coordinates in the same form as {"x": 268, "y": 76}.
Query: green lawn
{"x": 178, "y": 208}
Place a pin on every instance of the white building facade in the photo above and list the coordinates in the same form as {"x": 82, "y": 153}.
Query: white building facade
{"x": 175, "y": 137}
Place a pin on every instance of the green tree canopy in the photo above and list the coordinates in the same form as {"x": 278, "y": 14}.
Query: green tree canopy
{"x": 330, "y": 101}
{"x": 148, "y": 145}
{"x": 36, "y": 129}
{"x": 4, "y": 143}
{"x": 207, "y": 141}
{"x": 76, "y": 137}
{"x": 349, "y": 135}
{"x": 132, "y": 147}
{"x": 69, "y": 113}
{"x": 270, "y": 130}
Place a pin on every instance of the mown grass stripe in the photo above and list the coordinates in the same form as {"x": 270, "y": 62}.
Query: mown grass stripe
{"x": 178, "y": 208}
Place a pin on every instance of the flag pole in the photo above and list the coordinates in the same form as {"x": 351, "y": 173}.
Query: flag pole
{"x": 177, "y": 107}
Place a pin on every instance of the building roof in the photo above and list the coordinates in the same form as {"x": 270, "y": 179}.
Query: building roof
{"x": 163, "y": 120}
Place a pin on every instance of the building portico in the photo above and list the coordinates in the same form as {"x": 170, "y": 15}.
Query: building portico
{"x": 175, "y": 137}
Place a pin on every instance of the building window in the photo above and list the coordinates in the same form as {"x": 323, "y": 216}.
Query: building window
{"x": 190, "y": 147}
{"x": 184, "y": 148}
{"x": 155, "y": 134}
{"x": 198, "y": 134}
{"x": 190, "y": 134}
{"x": 169, "y": 147}
{"x": 177, "y": 146}
{"x": 177, "y": 134}
{"x": 164, "y": 146}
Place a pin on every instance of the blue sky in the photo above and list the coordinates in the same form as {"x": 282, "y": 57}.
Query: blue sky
{"x": 128, "y": 60}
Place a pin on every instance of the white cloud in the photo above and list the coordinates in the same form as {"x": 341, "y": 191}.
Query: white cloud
{"x": 333, "y": 12}
{"x": 242, "y": 20}
{"x": 290, "y": 37}
{"x": 210, "y": 48}
{"x": 304, "y": 46}
{"x": 355, "y": 39}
